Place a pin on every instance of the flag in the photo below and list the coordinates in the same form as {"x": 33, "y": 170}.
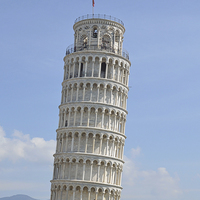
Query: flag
{"x": 93, "y": 3}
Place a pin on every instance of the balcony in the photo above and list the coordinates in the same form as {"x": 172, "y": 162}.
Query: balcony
{"x": 71, "y": 49}
{"x": 99, "y": 16}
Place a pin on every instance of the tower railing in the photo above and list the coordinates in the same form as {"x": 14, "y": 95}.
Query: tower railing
{"x": 99, "y": 16}
{"x": 71, "y": 49}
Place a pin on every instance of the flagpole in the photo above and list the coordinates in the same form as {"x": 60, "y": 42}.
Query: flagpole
{"x": 93, "y": 7}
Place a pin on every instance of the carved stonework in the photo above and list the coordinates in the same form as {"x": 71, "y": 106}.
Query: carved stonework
{"x": 88, "y": 161}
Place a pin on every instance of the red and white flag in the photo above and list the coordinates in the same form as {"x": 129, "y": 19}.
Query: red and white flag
{"x": 93, "y": 3}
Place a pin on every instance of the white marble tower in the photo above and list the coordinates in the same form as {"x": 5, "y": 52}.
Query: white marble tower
{"x": 88, "y": 162}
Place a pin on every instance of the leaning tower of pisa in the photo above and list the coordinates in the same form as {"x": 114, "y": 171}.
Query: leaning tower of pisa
{"x": 88, "y": 162}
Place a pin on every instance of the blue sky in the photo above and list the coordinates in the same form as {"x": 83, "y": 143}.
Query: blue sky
{"x": 162, "y": 149}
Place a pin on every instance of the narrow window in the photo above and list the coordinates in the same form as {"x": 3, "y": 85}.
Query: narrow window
{"x": 66, "y": 123}
{"x": 95, "y": 33}
{"x": 81, "y": 70}
{"x": 103, "y": 70}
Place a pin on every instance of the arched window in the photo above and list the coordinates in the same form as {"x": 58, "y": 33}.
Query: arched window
{"x": 85, "y": 42}
{"x": 106, "y": 43}
{"x": 95, "y": 32}
{"x": 103, "y": 70}
{"x": 81, "y": 70}
{"x": 117, "y": 36}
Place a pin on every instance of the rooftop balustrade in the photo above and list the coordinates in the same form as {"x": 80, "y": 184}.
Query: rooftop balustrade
{"x": 99, "y": 16}
{"x": 71, "y": 49}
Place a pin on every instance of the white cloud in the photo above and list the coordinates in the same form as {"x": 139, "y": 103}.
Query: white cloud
{"x": 152, "y": 185}
{"x": 21, "y": 146}
{"x": 138, "y": 184}
{"x": 135, "y": 152}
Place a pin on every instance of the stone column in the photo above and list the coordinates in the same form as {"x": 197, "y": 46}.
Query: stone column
{"x": 113, "y": 71}
{"x": 67, "y": 190}
{"x": 110, "y": 177}
{"x": 99, "y": 75}
{"x": 77, "y": 90}
{"x": 59, "y": 123}
{"x": 104, "y": 175}
{"x": 100, "y": 146}
{"x": 82, "y": 110}
{"x": 69, "y": 173}
{"x": 69, "y": 72}
{"x": 84, "y": 92}
{"x": 86, "y": 63}
{"x": 96, "y": 197}
{"x": 83, "y": 171}
{"x": 73, "y": 69}
{"x": 91, "y": 92}
{"x": 76, "y": 170}
{"x": 72, "y": 145}
{"x": 73, "y": 194}
{"x": 65, "y": 165}
{"x": 116, "y": 98}
{"x": 62, "y": 144}
{"x": 57, "y": 144}
{"x": 122, "y": 152}
{"x": 61, "y": 191}
{"x": 67, "y": 92}
{"x": 89, "y": 195}
{"x": 93, "y": 145}
{"x": 79, "y": 141}
{"x": 75, "y": 117}
{"x": 104, "y": 94}
{"x": 107, "y": 140}
{"x": 81, "y": 195}
{"x": 98, "y": 93}
{"x": 115, "y": 176}
{"x": 102, "y": 122}
{"x": 57, "y": 193}
{"x": 79, "y": 68}
{"x": 106, "y": 75}
{"x": 66, "y": 143}
{"x": 95, "y": 122}
{"x": 69, "y": 118}
{"x": 64, "y": 118}
{"x": 93, "y": 68}
{"x": 109, "y": 114}
{"x": 120, "y": 104}
{"x": 113, "y": 148}
{"x": 91, "y": 168}
{"x": 111, "y": 92}
{"x": 115, "y": 123}
{"x": 88, "y": 120}
{"x": 98, "y": 172}
{"x": 118, "y": 72}
{"x": 86, "y": 143}
{"x": 109, "y": 194}
{"x": 72, "y": 91}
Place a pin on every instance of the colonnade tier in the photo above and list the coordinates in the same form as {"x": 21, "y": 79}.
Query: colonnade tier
{"x": 70, "y": 191}
{"x": 92, "y": 116}
{"x": 98, "y": 65}
{"x": 95, "y": 91}
{"x": 95, "y": 170}
{"x": 90, "y": 143}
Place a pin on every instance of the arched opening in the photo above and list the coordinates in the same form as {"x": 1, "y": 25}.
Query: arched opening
{"x": 84, "y": 41}
{"x": 81, "y": 70}
{"x": 106, "y": 43}
{"x": 103, "y": 70}
{"x": 117, "y": 36}
{"x": 95, "y": 32}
